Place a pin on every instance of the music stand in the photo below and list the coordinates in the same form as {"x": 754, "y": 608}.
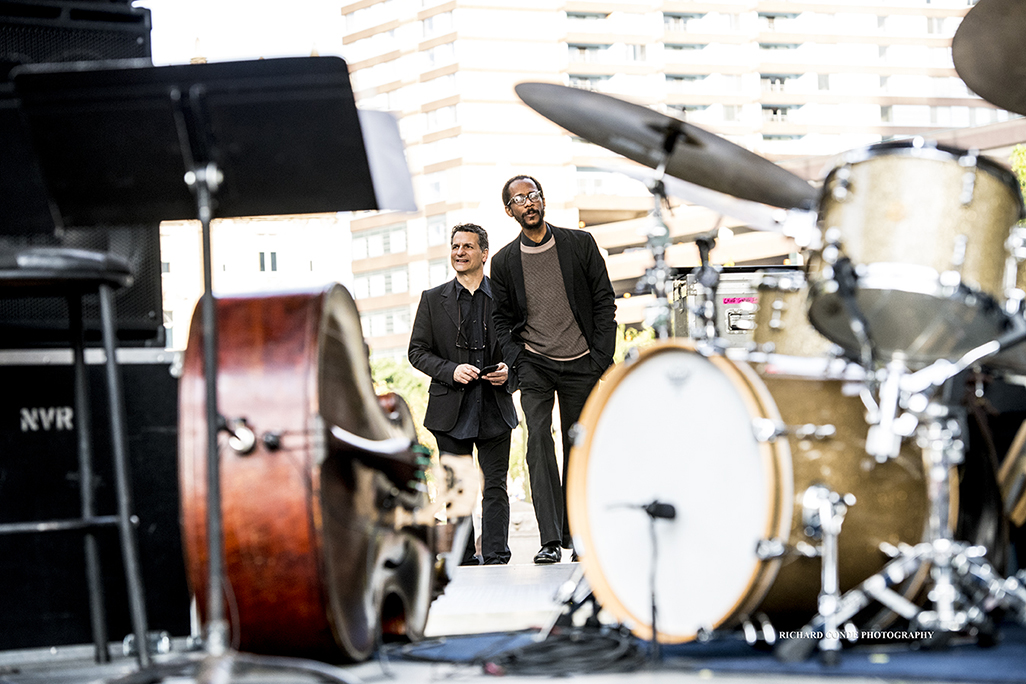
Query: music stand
{"x": 253, "y": 138}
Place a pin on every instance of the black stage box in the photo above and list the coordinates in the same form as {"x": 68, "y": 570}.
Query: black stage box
{"x": 43, "y": 592}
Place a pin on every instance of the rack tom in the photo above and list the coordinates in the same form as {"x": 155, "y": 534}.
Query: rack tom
{"x": 925, "y": 227}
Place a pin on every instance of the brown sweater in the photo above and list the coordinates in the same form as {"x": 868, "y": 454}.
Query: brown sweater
{"x": 551, "y": 329}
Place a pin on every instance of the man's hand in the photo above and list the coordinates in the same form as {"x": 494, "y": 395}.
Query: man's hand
{"x": 465, "y": 373}
{"x": 498, "y": 376}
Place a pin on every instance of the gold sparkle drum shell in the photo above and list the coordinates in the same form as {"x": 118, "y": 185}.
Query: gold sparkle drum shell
{"x": 679, "y": 427}
{"x": 781, "y": 316}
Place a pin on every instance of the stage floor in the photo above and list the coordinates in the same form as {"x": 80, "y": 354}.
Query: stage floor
{"x": 522, "y": 600}
{"x": 487, "y": 610}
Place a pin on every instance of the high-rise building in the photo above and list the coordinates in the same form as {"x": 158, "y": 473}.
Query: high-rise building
{"x": 796, "y": 82}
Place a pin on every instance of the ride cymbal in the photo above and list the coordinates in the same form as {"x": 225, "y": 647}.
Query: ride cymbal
{"x": 643, "y": 135}
{"x": 988, "y": 53}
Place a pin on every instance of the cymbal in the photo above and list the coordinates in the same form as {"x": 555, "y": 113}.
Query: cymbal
{"x": 988, "y": 54}
{"x": 640, "y": 133}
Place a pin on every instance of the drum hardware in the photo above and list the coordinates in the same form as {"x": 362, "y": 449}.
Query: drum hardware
{"x": 766, "y": 430}
{"x": 964, "y": 588}
{"x": 841, "y": 278}
{"x": 823, "y": 513}
{"x": 763, "y": 633}
{"x": 1015, "y": 246}
{"x": 706, "y": 283}
{"x": 658, "y": 277}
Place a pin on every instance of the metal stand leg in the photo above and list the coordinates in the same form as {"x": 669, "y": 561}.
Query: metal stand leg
{"x": 119, "y": 443}
{"x": 84, "y": 423}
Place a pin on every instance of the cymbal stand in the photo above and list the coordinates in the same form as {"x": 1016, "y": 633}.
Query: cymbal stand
{"x": 658, "y": 276}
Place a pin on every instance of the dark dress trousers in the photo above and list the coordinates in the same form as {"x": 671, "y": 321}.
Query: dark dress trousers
{"x": 434, "y": 351}
{"x": 540, "y": 379}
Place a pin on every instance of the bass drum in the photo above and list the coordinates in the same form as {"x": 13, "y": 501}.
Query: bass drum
{"x": 315, "y": 561}
{"x": 680, "y": 428}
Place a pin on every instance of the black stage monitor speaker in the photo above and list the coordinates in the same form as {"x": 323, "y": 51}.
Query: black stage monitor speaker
{"x": 42, "y": 31}
{"x": 44, "y": 597}
{"x": 38, "y": 322}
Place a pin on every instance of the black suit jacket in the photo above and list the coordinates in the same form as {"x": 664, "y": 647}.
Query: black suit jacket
{"x": 433, "y": 351}
{"x": 587, "y": 288}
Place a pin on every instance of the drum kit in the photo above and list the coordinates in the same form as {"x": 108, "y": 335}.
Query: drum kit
{"x": 804, "y": 489}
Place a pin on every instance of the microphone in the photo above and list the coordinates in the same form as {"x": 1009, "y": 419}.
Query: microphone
{"x": 656, "y": 509}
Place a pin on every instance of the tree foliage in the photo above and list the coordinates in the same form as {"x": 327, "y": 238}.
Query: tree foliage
{"x": 1018, "y": 161}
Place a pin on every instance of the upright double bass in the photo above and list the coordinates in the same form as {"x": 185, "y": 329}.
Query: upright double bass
{"x": 318, "y": 481}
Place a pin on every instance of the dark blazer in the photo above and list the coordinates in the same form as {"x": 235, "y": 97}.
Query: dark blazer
{"x": 433, "y": 351}
{"x": 587, "y": 288}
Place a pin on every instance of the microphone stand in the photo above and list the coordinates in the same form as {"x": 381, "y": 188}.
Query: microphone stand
{"x": 656, "y": 510}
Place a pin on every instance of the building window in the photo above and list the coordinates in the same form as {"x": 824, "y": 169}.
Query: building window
{"x": 268, "y": 258}
{"x": 731, "y": 112}
{"x": 635, "y": 53}
{"x": 886, "y": 113}
{"x": 587, "y": 53}
{"x": 437, "y": 233}
{"x": 381, "y": 283}
{"x": 589, "y": 82}
{"x": 165, "y": 266}
{"x": 379, "y": 241}
{"x": 678, "y": 22}
{"x": 823, "y": 81}
{"x": 441, "y": 118}
{"x": 437, "y": 24}
{"x": 777, "y": 83}
{"x": 586, "y": 16}
{"x": 680, "y": 47}
{"x": 386, "y": 322}
{"x": 776, "y": 113}
{"x": 438, "y": 272}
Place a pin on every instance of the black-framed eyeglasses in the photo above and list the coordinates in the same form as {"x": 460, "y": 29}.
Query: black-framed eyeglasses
{"x": 519, "y": 200}
{"x": 461, "y": 336}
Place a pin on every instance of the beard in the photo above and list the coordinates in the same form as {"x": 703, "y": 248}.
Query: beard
{"x": 522, "y": 220}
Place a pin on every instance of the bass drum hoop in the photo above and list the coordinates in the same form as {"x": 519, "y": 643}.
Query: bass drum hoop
{"x": 776, "y": 456}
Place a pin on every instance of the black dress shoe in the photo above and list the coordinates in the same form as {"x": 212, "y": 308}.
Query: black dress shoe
{"x": 574, "y": 558}
{"x": 550, "y": 553}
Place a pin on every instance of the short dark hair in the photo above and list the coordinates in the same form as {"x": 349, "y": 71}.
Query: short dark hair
{"x": 506, "y": 197}
{"x": 482, "y": 234}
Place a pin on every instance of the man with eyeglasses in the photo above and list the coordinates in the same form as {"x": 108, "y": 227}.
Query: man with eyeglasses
{"x": 554, "y": 317}
{"x": 453, "y": 341}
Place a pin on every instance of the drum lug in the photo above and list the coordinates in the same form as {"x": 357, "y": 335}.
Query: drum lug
{"x": 841, "y": 183}
{"x": 768, "y": 549}
{"x": 969, "y": 162}
{"x": 766, "y": 430}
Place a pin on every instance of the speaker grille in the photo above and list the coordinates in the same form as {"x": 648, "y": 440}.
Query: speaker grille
{"x": 65, "y": 31}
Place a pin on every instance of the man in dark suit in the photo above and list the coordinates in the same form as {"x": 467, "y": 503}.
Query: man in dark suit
{"x": 554, "y": 318}
{"x": 453, "y": 340}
